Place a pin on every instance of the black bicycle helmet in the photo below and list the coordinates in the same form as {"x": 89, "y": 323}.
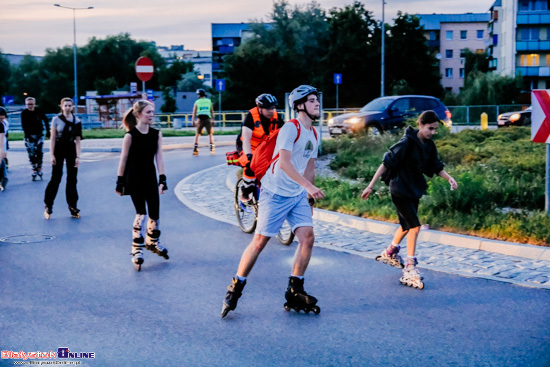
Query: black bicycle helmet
{"x": 201, "y": 92}
{"x": 3, "y": 112}
{"x": 266, "y": 100}
{"x": 299, "y": 95}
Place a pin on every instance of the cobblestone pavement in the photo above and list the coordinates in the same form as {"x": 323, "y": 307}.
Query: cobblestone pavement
{"x": 216, "y": 201}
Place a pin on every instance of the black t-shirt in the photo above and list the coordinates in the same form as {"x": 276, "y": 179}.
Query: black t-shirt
{"x": 140, "y": 165}
{"x": 33, "y": 122}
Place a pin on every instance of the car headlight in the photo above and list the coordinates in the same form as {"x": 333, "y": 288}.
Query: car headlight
{"x": 354, "y": 120}
{"x": 515, "y": 117}
{"x": 331, "y": 121}
{"x": 499, "y": 116}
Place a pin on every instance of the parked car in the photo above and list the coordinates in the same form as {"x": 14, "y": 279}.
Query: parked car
{"x": 387, "y": 114}
{"x": 516, "y": 118}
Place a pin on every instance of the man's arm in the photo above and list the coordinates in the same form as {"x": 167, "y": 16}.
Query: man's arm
{"x": 292, "y": 172}
{"x": 194, "y": 114}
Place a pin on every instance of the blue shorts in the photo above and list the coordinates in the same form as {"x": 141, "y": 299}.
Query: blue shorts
{"x": 273, "y": 209}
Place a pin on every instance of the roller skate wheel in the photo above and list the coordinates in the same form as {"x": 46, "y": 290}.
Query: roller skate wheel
{"x": 225, "y": 311}
{"x": 46, "y": 215}
{"x": 377, "y": 258}
{"x": 421, "y": 286}
{"x": 286, "y": 306}
{"x": 316, "y": 310}
{"x": 138, "y": 267}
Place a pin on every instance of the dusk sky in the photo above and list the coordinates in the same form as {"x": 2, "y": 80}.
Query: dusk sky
{"x": 32, "y": 26}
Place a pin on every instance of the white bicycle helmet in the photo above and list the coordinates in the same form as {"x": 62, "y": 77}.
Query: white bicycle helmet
{"x": 299, "y": 95}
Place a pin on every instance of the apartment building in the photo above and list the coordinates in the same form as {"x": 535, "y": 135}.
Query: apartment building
{"x": 520, "y": 40}
{"x": 450, "y": 35}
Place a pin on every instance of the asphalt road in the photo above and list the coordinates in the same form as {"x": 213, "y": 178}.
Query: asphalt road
{"x": 79, "y": 290}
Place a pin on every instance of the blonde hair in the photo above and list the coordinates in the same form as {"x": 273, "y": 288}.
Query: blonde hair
{"x": 63, "y": 100}
{"x": 130, "y": 117}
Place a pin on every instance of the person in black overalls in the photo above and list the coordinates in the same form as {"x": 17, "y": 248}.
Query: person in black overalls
{"x": 141, "y": 148}
{"x": 64, "y": 146}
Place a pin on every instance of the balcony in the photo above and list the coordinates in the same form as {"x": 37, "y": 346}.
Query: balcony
{"x": 533, "y": 45}
{"x": 543, "y": 71}
{"x": 533, "y": 17}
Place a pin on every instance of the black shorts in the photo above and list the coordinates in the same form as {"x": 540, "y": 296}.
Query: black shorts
{"x": 407, "y": 211}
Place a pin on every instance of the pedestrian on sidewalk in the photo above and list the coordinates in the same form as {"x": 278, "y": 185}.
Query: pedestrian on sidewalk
{"x": 33, "y": 122}
{"x": 260, "y": 122}
{"x": 4, "y": 126}
{"x": 141, "y": 148}
{"x": 403, "y": 169}
{"x": 66, "y": 133}
{"x": 286, "y": 186}
{"x": 204, "y": 110}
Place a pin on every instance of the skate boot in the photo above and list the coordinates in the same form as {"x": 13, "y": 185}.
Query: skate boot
{"x": 212, "y": 149}
{"x": 298, "y": 299}
{"x": 39, "y": 173}
{"x": 411, "y": 275}
{"x": 196, "y": 149}
{"x": 137, "y": 252}
{"x": 391, "y": 256}
{"x": 152, "y": 240}
{"x": 34, "y": 175}
{"x": 75, "y": 213}
{"x": 234, "y": 292}
{"x": 3, "y": 183}
{"x": 47, "y": 211}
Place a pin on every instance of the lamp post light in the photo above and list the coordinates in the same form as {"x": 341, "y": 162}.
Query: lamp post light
{"x": 75, "y": 98}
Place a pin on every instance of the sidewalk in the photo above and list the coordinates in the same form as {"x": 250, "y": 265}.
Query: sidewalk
{"x": 440, "y": 251}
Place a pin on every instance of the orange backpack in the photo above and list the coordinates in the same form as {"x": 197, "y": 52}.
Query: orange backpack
{"x": 263, "y": 156}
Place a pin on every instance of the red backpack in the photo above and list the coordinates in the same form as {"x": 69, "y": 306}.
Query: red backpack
{"x": 263, "y": 155}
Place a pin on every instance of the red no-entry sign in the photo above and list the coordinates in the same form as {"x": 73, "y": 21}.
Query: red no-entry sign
{"x": 144, "y": 68}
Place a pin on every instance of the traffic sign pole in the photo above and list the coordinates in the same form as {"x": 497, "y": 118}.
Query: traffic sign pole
{"x": 144, "y": 71}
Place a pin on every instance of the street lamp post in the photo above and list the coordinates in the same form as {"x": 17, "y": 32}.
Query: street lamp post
{"x": 75, "y": 98}
{"x": 382, "y": 52}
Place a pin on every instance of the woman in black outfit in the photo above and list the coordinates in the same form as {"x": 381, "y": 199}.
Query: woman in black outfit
{"x": 141, "y": 147}
{"x": 64, "y": 146}
{"x": 404, "y": 167}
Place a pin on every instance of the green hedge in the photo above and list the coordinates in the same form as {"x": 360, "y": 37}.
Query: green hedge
{"x": 500, "y": 173}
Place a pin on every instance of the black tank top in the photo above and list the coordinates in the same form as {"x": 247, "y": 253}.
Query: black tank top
{"x": 140, "y": 166}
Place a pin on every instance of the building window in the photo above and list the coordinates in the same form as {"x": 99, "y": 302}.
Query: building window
{"x": 529, "y": 34}
{"x": 495, "y": 39}
{"x": 448, "y": 73}
{"x": 480, "y": 34}
{"x": 463, "y": 53}
{"x": 448, "y": 54}
{"x": 533, "y": 5}
{"x": 449, "y": 35}
{"x": 529, "y": 60}
{"x": 463, "y": 35}
{"x": 461, "y": 73}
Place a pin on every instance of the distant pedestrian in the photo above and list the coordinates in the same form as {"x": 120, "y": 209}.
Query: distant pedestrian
{"x": 4, "y": 127}
{"x": 288, "y": 183}
{"x": 141, "y": 148}
{"x": 33, "y": 122}
{"x": 403, "y": 168}
{"x": 203, "y": 110}
{"x": 66, "y": 134}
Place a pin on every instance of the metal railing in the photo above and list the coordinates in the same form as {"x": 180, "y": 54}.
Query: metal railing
{"x": 471, "y": 115}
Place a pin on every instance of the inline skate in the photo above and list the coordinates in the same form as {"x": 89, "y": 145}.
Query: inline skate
{"x": 391, "y": 256}
{"x": 212, "y": 149}
{"x": 234, "y": 292}
{"x": 196, "y": 149}
{"x": 47, "y": 211}
{"x": 298, "y": 299}
{"x": 75, "y": 213}
{"x": 138, "y": 241}
{"x": 152, "y": 239}
{"x": 411, "y": 275}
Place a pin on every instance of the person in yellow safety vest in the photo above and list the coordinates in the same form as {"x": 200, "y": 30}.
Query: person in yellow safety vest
{"x": 205, "y": 112}
{"x": 258, "y": 124}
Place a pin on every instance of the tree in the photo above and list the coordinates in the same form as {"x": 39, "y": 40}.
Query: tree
{"x": 475, "y": 61}
{"x": 490, "y": 89}
{"x": 169, "y": 105}
{"x": 171, "y": 75}
{"x": 26, "y": 79}
{"x": 190, "y": 82}
{"x": 5, "y": 73}
{"x": 105, "y": 86}
{"x": 353, "y": 49}
{"x": 408, "y": 57}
